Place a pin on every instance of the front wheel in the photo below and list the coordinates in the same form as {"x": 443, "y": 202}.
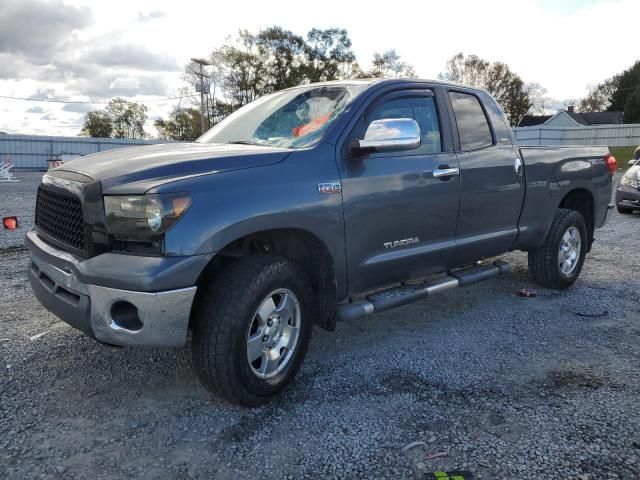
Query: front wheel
{"x": 558, "y": 261}
{"x": 252, "y": 327}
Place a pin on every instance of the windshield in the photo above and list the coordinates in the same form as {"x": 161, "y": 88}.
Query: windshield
{"x": 296, "y": 118}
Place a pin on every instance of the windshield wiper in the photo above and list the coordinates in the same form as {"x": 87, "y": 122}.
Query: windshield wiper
{"x": 245, "y": 142}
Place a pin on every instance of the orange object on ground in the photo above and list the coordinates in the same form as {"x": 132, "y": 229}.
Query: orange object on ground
{"x": 10, "y": 223}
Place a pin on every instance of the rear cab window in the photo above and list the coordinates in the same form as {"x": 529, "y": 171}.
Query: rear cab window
{"x": 473, "y": 127}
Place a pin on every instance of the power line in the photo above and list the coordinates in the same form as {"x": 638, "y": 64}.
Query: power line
{"x": 202, "y": 87}
{"x": 86, "y": 102}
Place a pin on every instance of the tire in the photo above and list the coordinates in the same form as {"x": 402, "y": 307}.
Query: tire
{"x": 624, "y": 210}
{"x": 226, "y": 316}
{"x": 545, "y": 265}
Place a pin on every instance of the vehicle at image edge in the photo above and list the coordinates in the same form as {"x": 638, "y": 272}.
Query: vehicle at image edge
{"x": 628, "y": 191}
{"x": 287, "y": 212}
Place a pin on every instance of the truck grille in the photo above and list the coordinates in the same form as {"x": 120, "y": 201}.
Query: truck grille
{"x": 59, "y": 216}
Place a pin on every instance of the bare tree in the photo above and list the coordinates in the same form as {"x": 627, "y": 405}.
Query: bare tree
{"x": 599, "y": 97}
{"x": 390, "y": 65}
{"x": 496, "y": 77}
{"x": 540, "y": 101}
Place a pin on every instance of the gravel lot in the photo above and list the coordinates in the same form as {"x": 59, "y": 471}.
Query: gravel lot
{"x": 487, "y": 382}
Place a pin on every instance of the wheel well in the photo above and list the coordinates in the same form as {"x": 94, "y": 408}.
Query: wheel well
{"x": 300, "y": 246}
{"x": 581, "y": 200}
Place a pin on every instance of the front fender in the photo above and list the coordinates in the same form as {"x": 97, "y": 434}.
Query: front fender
{"x": 231, "y": 205}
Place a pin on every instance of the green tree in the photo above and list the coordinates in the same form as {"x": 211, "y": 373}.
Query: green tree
{"x": 632, "y": 106}
{"x": 245, "y": 69}
{"x": 183, "y": 124}
{"x": 250, "y": 65}
{"x": 97, "y": 124}
{"x": 127, "y": 118}
{"x": 329, "y": 55}
{"x": 390, "y": 65}
{"x": 625, "y": 86}
{"x": 506, "y": 86}
{"x": 282, "y": 52}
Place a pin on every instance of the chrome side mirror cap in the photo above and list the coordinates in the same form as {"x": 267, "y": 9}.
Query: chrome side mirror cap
{"x": 389, "y": 134}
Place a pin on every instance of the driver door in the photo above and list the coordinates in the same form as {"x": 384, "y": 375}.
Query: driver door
{"x": 400, "y": 219}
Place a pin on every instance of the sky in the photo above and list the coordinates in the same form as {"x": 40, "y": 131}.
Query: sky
{"x": 91, "y": 51}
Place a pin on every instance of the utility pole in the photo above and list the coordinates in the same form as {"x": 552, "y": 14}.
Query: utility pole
{"x": 201, "y": 87}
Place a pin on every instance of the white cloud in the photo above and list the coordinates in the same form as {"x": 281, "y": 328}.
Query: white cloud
{"x": 564, "y": 49}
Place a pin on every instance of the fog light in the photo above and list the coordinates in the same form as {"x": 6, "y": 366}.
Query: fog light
{"x": 125, "y": 315}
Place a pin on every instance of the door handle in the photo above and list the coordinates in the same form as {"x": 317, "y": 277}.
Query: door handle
{"x": 445, "y": 173}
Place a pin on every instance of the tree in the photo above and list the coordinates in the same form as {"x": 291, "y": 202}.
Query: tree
{"x": 624, "y": 95}
{"x": 540, "y": 102}
{"x": 127, "y": 118}
{"x": 183, "y": 124}
{"x": 282, "y": 51}
{"x": 389, "y": 65}
{"x": 97, "y": 124}
{"x": 599, "y": 98}
{"x": 250, "y": 65}
{"x": 632, "y": 106}
{"x": 618, "y": 93}
{"x": 328, "y": 55}
{"x": 471, "y": 70}
{"x": 496, "y": 77}
{"x": 245, "y": 69}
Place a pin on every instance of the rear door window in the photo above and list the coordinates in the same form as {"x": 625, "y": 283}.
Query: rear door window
{"x": 473, "y": 126}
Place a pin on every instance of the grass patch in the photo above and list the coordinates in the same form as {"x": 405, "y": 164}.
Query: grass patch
{"x": 623, "y": 155}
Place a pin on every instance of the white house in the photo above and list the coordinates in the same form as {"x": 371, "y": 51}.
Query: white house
{"x": 571, "y": 118}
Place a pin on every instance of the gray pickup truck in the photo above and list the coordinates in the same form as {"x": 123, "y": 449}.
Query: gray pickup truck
{"x": 310, "y": 205}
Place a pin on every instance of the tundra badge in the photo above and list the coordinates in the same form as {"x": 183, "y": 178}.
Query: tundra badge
{"x": 401, "y": 243}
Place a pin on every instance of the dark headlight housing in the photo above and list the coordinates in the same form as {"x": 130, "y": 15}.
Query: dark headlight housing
{"x": 143, "y": 217}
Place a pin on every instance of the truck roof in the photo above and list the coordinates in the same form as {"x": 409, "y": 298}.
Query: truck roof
{"x": 390, "y": 81}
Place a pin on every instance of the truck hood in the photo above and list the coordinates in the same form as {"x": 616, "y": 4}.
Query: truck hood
{"x": 138, "y": 169}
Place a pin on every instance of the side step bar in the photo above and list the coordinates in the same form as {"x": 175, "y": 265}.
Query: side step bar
{"x": 396, "y": 297}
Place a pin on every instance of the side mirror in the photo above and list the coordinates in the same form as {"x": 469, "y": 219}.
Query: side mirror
{"x": 389, "y": 134}
{"x": 634, "y": 162}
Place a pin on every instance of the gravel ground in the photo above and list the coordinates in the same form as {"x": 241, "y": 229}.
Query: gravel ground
{"x": 485, "y": 381}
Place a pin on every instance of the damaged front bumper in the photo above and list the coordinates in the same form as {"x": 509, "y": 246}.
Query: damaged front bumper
{"x": 115, "y": 315}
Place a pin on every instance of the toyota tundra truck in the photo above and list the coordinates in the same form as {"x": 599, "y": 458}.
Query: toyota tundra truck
{"x": 324, "y": 202}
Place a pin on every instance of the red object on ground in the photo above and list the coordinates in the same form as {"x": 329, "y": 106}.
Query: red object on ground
{"x": 10, "y": 223}
{"x": 526, "y": 292}
{"x": 612, "y": 164}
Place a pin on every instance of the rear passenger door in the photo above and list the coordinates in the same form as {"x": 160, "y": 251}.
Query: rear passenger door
{"x": 491, "y": 178}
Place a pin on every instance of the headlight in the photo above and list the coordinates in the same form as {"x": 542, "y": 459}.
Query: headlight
{"x": 143, "y": 216}
{"x": 630, "y": 179}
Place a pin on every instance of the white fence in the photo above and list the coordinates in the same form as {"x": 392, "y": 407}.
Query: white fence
{"x": 626, "y": 135}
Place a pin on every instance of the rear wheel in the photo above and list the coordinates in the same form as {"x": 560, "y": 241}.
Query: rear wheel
{"x": 558, "y": 261}
{"x": 252, "y": 327}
